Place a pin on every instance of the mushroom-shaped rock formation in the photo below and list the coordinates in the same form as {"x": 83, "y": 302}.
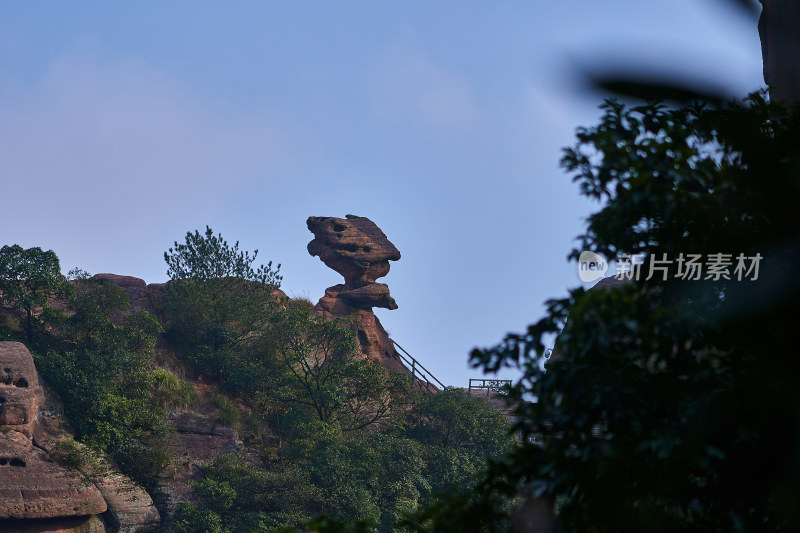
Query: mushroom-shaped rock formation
{"x": 358, "y": 250}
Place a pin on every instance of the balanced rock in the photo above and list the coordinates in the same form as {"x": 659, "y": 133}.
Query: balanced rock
{"x": 338, "y": 301}
{"x": 357, "y": 249}
{"x": 352, "y": 246}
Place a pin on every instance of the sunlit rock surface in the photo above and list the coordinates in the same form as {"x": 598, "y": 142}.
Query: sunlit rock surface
{"x": 356, "y": 248}
{"x": 36, "y": 492}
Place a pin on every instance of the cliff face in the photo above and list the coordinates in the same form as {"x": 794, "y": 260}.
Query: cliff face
{"x": 143, "y": 297}
{"x": 358, "y": 250}
{"x": 37, "y": 493}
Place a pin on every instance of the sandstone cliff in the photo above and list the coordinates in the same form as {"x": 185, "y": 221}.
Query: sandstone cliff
{"x": 39, "y": 494}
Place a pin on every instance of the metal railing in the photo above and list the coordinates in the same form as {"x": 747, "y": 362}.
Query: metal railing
{"x": 419, "y": 374}
{"x": 490, "y": 385}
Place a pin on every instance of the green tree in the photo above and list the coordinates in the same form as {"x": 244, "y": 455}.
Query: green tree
{"x": 216, "y": 301}
{"x": 459, "y": 433}
{"x": 29, "y": 282}
{"x": 306, "y": 362}
{"x": 103, "y": 372}
{"x": 371, "y": 478}
{"x": 672, "y": 404}
{"x": 93, "y": 299}
{"x": 208, "y": 257}
{"x": 238, "y": 495}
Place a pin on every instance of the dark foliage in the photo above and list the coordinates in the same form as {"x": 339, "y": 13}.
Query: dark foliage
{"x": 216, "y": 301}
{"x": 672, "y": 404}
{"x": 103, "y": 372}
{"x": 29, "y": 282}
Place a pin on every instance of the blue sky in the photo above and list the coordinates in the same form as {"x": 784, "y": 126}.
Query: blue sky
{"x": 123, "y": 126}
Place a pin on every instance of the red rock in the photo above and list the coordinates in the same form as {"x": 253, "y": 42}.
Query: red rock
{"x": 35, "y": 491}
{"x": 20, "y": 393}
{"x": 371, "y": 295}
{"x": 130, "y": 508}
{"x": 143, "y": 297}
{"x": 35, "y": 487}
{"x": 353, "y": 246}
{"x": 356, "y": 248}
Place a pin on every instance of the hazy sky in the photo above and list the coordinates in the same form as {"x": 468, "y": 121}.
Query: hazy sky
{"x": 125, "y": 125}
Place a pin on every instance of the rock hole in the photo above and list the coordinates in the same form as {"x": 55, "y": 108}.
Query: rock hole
{"x": 16, "y": 461}
{"x": 21, "y": 382}
{"x": 3, "y": 461}
{"x": 367, "y": 249}
{"x": 349, "y": 247}
{"x": 363, "y": 341}
{"x": 2, "y": 399}
{"x": 7, "y": 381}
{"x": 6, "y": 370}
{"x": 338, "y": 227}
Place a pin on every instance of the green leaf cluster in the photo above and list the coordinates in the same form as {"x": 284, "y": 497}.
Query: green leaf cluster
{"x": 372, "y": 479}
{"x": 355, "y": 446}
{"x": 671, "y": 405}
{"x": 216, "y": 302}
{"x": 30, "y": 280}
{"x": 103, "y": 373}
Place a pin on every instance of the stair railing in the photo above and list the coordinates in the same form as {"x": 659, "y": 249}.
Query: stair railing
{"x": 424, "y": 378}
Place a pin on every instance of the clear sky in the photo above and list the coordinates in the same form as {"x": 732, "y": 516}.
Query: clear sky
{"x": 125, "y": 125}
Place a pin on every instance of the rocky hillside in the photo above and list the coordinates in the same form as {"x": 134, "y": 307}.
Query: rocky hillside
{"x": 233, "y": 407}
{"x": 42, "y": 485}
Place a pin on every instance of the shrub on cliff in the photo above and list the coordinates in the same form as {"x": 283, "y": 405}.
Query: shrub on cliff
{"x": 30, "y": 280}
{"x": 103, "y": 372}
{"x": 217, "y": 301}
{"x": 306, "y": 366}
{"x": 458, "y": 433}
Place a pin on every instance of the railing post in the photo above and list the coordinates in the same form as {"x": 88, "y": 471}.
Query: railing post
{"x": 425, "y": 375}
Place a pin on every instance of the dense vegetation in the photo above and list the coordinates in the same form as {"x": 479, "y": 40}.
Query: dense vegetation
{"x": 331, "y": 439}
{"x": 345, "y": 438}
{"x": 672, "y": 404}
